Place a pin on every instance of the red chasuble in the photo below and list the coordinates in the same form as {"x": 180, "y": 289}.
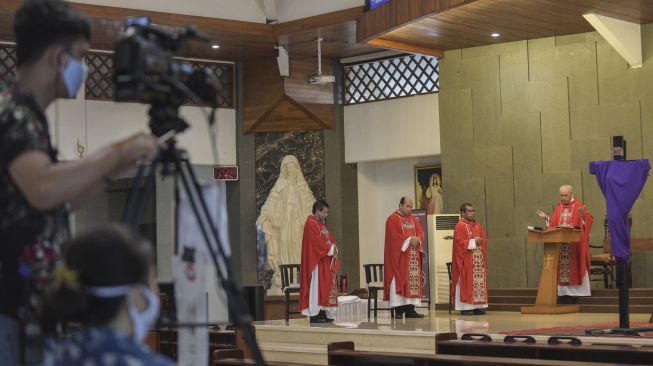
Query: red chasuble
{"x": 574, "y": 257}
{"x": 469, "y": 266}
{"x": 404, "y": 267}
{"x": 316, "y": 244}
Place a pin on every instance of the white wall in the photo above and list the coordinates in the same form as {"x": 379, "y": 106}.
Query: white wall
{"x": 380, "y": 186}
{"x": 243, "y": 10}
{"x": 94, "y": 124}
{"x": 288, "y": 10}
{"x": 397, "y": 128}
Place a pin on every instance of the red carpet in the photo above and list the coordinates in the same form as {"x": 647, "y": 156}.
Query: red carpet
{"x": 579, "y": 330}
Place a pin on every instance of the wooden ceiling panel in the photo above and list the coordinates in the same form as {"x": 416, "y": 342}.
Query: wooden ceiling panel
{"x": 470, "y": 23}
{"x": 239, "y": 41}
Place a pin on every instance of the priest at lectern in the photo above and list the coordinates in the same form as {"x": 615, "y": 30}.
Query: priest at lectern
{"x": 574, "y": 264}
{"x": 469, "y": 264}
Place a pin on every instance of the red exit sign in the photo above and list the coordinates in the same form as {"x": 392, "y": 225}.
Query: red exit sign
{"x": 229, "y": 172}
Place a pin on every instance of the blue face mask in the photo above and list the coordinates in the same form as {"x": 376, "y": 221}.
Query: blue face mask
{"x": 73, "y": 75}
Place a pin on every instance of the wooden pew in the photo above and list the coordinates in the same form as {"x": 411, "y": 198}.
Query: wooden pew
{"x": 218, "y": 339}
{"x": 557, "y": 348}
{"x": 343, "y": 353}
{"x": 234, "y": 357}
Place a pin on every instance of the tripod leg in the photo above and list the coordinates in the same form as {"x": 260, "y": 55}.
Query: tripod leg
{"x": 128, "y": 214}
{"x": 149, "y": 187}
{"x": 237, "y": 304}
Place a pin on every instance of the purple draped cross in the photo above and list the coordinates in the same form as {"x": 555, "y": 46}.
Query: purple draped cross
{"x": 621, "y": 181}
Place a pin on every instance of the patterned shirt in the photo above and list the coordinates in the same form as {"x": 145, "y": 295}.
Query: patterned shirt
{"x": 101, "y": 347}
{"x": 30, "y": 239}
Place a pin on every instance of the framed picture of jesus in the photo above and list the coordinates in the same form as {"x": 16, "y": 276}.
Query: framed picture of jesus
{"x": 428, "y": 188}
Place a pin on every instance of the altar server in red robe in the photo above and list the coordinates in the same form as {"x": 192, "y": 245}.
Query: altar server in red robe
{"x": 318, "y": 294}
{"x": 574, "y": 264}
{"x": 469, "y": 265}
{"x": 402, "y": 280}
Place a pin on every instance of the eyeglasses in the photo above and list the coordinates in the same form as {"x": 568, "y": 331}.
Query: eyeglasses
{"x": 468, "y": 210}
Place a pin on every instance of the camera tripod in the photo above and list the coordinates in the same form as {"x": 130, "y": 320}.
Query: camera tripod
{"x": 175, "y": 162}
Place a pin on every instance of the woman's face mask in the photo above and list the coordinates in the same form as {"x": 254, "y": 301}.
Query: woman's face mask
{"x": 73, "y": 75}
{"x": 143, "y": 321}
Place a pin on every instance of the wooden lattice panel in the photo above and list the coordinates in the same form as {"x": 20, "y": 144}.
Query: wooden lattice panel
{"x": 225, "y": 76}
{"x": 391, "y": 78}
{"x": 99, "y": 85}
{"x": 7, "y": 65}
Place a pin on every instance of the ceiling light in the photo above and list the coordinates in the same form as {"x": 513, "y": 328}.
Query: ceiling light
{"x": 495, "y": 35}
{"x": 215, "y": 46}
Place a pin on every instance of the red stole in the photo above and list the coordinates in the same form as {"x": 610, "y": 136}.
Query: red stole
{"x": 574, "y": 257}
{"x": 316, "y": 244}
{"x": 404, "y": 267}
{"x": 469, "y": 266}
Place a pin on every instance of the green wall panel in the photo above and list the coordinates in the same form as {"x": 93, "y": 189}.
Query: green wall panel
{"x": 584, "y": 122}
{"x": 451, "y": 62}
{"x": 595, "y": 202}
{"x": 522, "y": 132}
{"x": 495, "y": 164}
{"x": 505, "y": 259}
{"x": 470, "y": 190}
{"x": 486, "y": 104}
{"x": 623, "y": 119}
{"x": 513, "y": 64}
{"x": 520, "y": 119}
{"x": 456, "y": 134}
{"x": 578, "y": 62}
{"x": 550, "y": 97}
{"x": 647, "y": 138}
{"x": 613, "y": 80}
{"x": 541, "y": 59}
{"x": 479, "y": 70}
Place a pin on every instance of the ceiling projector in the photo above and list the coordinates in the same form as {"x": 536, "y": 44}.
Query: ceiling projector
{"x": 317, "y": 77}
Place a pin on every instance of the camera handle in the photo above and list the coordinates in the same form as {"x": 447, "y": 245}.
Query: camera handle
{"x": 184, "y": 170}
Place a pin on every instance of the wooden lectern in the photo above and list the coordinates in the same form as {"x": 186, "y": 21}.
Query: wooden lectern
{"x": 547, "y": 294}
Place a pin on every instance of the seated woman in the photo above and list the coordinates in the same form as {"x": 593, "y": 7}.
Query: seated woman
{"x": 107, "y": 284}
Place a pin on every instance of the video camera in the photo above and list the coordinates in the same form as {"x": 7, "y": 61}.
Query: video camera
{"x": 146, "y": 71}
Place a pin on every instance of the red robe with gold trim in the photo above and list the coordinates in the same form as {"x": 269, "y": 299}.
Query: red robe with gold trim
{"x": 404, "y": 267}
{"x": 574, "y": 257}
{"x": 469, "y": 266}
{"x": 316, "y": 244}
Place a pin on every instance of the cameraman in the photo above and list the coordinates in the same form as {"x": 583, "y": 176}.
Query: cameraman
{"x": 37, "y": 191}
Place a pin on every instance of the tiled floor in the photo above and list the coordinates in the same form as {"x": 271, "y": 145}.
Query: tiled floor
{"x": 441, "y": 321}
{"x": 300, "y": 341}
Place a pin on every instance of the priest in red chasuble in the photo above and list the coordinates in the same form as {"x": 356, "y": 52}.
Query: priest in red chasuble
{"x": 402, "y": 280}
{"x": 318, "y": 294}
{"x": 574, "y": 264}
{"x": 468, "y": 264}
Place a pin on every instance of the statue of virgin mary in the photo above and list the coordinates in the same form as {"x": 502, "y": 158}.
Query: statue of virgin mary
{"x": 283, "y": 215}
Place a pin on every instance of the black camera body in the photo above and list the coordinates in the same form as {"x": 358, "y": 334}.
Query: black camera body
{"x": 146, "y": 71}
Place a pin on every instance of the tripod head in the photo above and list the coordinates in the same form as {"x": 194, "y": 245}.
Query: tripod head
{"x": 164, "y": 118}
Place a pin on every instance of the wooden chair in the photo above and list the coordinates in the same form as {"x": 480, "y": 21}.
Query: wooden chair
{"x": 449, "y": 273}
{"x": 603, "y": 264}
{"x": 602, "y": 267}
{"x": 289, "y": 285}
{"x": 374, "y": 282}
